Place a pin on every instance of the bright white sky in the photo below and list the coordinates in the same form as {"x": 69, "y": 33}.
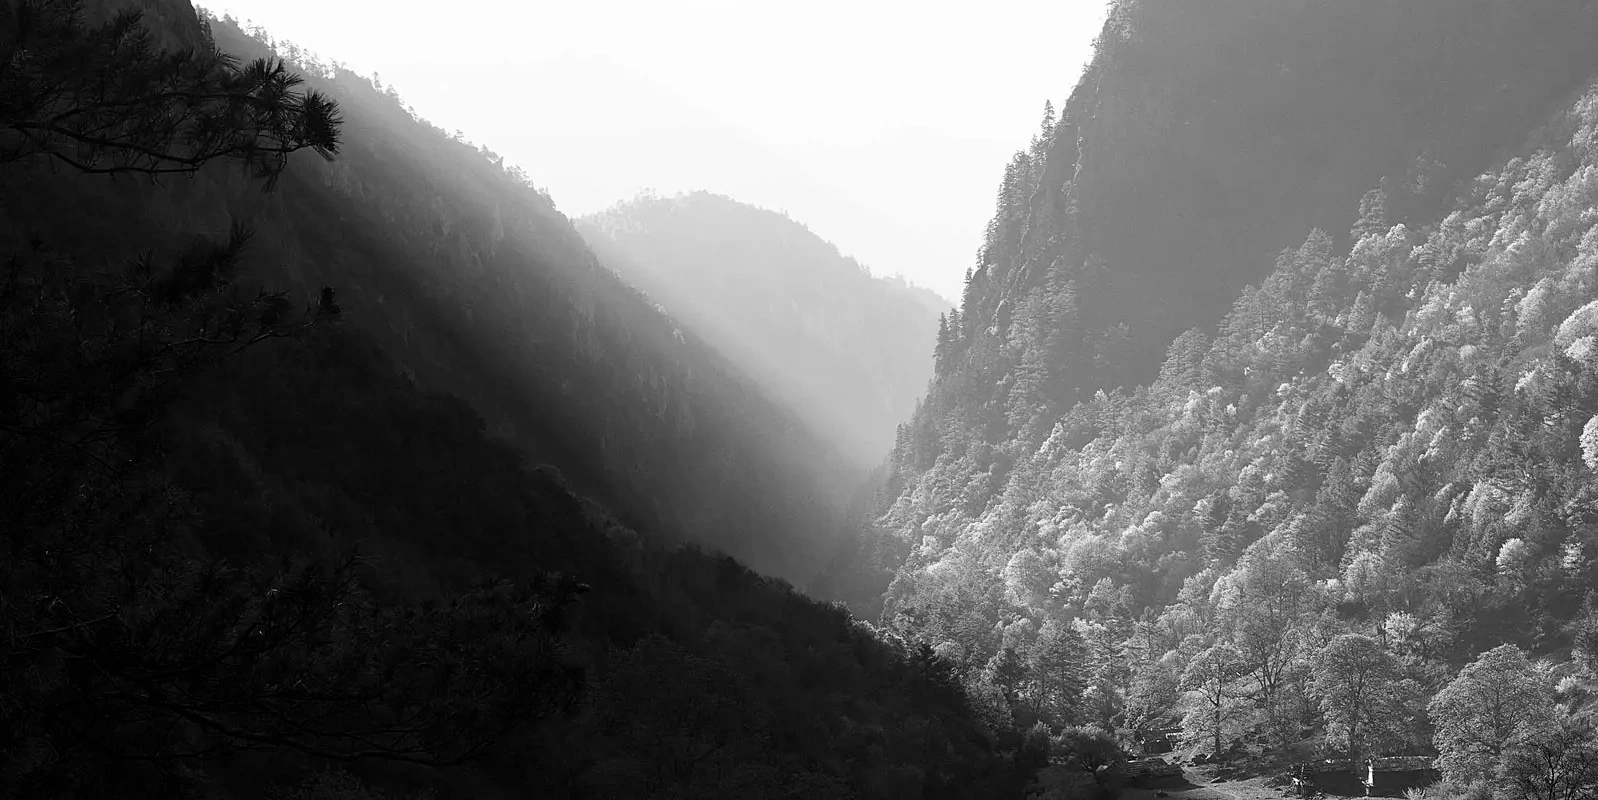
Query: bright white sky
{"x": 883, "y": 125}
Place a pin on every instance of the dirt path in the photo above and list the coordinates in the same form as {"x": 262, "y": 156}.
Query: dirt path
{"x": 1194, "y": 786}
{"x": 1214, "y": 787}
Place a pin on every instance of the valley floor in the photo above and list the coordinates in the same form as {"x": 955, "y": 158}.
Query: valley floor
{"x": 1198, "y": 785}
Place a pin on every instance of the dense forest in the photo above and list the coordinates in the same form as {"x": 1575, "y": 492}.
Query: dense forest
{"x": 317, "y": 491}
{"x": 1355, "y": 515}
{"x": 1208, "y": 134}
{"x": 849, "y": 352}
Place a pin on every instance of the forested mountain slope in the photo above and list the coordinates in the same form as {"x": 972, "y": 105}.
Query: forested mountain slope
{"x": 1208, "y": 134}
{"x": 249, "y": 549}
{"x": 479, "y": 287}
{"x": 848, "y": 352}
{"x": 1378, "y": 469}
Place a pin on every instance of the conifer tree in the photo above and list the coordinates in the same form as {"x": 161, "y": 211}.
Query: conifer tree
{"x": 1058, "y": 662}
{"x": 104, "y": 99}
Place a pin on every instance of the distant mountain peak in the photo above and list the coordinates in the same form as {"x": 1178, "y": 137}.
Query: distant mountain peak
{"x": 848, "y": 351}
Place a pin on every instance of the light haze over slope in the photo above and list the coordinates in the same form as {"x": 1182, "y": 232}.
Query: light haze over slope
{"x": 849, "y": 352}
{"x": 882, "y": 125}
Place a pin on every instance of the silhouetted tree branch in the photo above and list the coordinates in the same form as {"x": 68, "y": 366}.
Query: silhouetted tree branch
{"x": 103, "y": 100}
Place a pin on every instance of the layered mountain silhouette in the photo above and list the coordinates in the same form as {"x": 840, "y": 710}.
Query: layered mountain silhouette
{"x": 848, "y": 352}
{"x": 380, "y": 483}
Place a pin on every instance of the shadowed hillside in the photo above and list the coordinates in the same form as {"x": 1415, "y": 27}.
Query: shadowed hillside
{"x": 479, "y": 287}
{"x": 270, "y": 520}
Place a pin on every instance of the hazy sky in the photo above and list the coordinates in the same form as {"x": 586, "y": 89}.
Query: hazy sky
{"x": 883, "y": 125}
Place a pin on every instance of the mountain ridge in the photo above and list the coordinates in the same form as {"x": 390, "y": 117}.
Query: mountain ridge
{"x": 1172, "y": 177}
{"x": 527, "y": 290}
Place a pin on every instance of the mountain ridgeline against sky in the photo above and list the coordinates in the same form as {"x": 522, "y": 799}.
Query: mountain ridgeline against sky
{"x": 1208, "y": 134}
{"x": 850, "y": 353}
{"x": 481, "y": 289}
